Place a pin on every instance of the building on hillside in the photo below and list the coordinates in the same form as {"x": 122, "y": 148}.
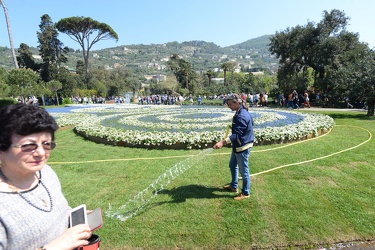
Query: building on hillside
{"x": 217, "y": 80}
{"x": 258, "y": 73}
{"x": 159, "y": 78}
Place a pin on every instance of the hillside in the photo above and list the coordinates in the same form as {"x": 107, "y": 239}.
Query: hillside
{"x": 152, "y": 58}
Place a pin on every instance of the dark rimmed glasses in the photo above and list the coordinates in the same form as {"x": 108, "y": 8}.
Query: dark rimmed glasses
{"x": 32, "y": 147}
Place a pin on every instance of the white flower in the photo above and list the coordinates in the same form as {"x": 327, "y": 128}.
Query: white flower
{"x": 193, "y": 127}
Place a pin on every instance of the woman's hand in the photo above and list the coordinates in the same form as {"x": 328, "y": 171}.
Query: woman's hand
{"x": 73, "y": 237}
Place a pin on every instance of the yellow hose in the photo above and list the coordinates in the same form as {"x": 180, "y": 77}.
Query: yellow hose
{"x": 227, "y": 132}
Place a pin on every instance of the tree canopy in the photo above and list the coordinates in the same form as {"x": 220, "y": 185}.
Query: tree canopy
{"x": 322, "y": 51}
{"x": 51, "y": 49}
{"x": 86, "y": 32}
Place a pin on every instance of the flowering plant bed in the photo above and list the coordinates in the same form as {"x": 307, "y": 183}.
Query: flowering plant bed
{"x": 186, "y": 127}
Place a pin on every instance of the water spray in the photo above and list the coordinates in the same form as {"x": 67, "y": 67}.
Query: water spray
{"x": 133, "y": 206}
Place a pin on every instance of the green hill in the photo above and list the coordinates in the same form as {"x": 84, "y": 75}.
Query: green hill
{"x": 152, "y": 58}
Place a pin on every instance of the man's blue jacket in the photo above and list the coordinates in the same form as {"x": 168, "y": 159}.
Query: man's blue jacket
{"x": 242, "y": 136}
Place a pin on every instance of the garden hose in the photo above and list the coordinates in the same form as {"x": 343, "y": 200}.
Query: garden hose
{"x": 227, "y": 132}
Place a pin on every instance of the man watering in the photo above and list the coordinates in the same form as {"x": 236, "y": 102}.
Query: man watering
{"x": 242, "y": 139}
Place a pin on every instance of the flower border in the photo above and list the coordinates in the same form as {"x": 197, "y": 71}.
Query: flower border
{"x": 130, "y": 126}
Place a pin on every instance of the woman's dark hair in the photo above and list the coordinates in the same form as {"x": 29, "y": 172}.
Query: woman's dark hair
{"x": 24, "y": 119}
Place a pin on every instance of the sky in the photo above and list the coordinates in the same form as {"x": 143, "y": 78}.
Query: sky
{"x": 222, "y": 22}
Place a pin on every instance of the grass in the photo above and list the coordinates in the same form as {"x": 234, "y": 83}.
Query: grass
{"x": 299, "y": 206}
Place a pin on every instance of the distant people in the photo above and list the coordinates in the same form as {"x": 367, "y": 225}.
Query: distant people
{"x": 348, "y": 105}
{"x": 280, "y": 100}
{"x": 191, "y": 100}
{"x": 244, "y": 97}
{"x": 261, "y": 99}
{"x": 265, "y": 99}
{"x": 317, "y": 98}
{"x": 295, "y": 100}
{"x": 306, "y": 100}
{"x": 290, "y": 100}
{"x": 199, "y": 100}
{"x": 251, "y": 99}
{"x": 180, "y": 99}
{"x": 256, "y": 99}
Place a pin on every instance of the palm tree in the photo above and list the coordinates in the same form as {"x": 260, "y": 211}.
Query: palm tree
{"x": 232, "y": 67}
{"x": 210, "y": 73}
{"x": 9, "y": 34}
{"x": 225, "y": 67}
{"x": 186, "y": 70}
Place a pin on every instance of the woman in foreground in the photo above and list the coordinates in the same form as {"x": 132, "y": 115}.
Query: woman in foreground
{"x": 34, "y": 213}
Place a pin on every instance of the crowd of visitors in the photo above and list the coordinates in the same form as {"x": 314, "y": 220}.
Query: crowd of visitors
{"x": 292, "y": 100}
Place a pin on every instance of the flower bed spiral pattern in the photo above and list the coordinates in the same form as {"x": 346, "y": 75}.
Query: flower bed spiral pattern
{"x": 186, "y": 127}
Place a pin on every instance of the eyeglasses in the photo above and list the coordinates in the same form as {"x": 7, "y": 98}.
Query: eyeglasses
{"x": 32, "y": 147}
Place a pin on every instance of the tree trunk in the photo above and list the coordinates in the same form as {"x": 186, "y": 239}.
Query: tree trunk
{"x": 231, "y": 77}
{"x": 9, "y": 34}
{"x": 57, "y": 99}
{"x": 86, "y": 60}
{"x": 370, "y": 108}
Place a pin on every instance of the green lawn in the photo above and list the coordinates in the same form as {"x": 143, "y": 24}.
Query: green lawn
{"x": 309, "y": 194}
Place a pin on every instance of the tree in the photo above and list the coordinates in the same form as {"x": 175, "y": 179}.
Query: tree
{"x": 133, "y": 84}
{"x": 101, "y": 89}
{"x": 54, "y": 86}
{"x": 225, "y": 66}
{"x": 182, "y": 70}
{"x": 322, "y": 48}
{"x": 23, "y": 82}
{"x": 80, "y": 29}
{"x": 186, "y": 70}
{"x": 51, "y": 49}
{"x": 4, "y": 88}
{"x": 25, "y": 58}
{"x": 80, "y": 67}
{"x": 231, "y": 67}
{"x": 210, "y": 74}
{"x": 9, "y": 34}
{"x": 356, "y": 78}
{"x": 3, "y": 75}
{"x": 173, "y": 63}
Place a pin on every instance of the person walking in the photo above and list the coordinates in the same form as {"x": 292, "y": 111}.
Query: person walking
{"x": 306, "y": 100}
{"x": 242, "y": 139}
{"x": 348, "y": 104}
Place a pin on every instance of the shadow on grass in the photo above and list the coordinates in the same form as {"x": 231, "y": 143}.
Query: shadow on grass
{"x": 344, "y": 115}
{"x": 361, "y": 116}
{"x": 181, "y": 194}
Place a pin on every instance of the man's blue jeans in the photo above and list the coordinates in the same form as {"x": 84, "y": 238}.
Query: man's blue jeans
{"x": 240, "y": 161}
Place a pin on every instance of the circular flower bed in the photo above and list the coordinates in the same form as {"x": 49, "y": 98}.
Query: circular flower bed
{"x": 186, "y": 127}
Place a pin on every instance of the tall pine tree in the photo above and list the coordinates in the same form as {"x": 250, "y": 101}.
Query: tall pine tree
{"x": 51, "y": 49}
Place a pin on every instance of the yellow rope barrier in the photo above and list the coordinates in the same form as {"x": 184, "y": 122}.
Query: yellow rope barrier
{"x": 319, "y": 158}
{"x": 255, "y": 151}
